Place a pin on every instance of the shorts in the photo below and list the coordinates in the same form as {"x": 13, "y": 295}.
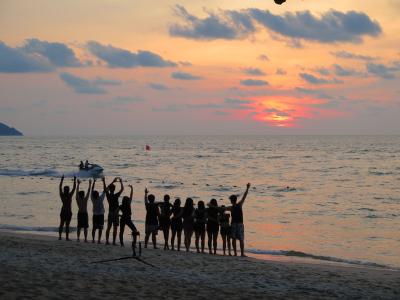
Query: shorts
{"x": 65, "y": 216}
{"x": 176, "y": 224}
{"x": 98, "y": 221}
{"x": 83, "y": 220}
{"x": 212, "y": 227}
{"x": 151, "y": 228}
{"x": 200, "y": 227}
{"x": 237, "y": 231}
{"x": 165, "y": 223}
{"x": 113, "y": 218}
{"x": 128, "y": 222}
{"x": 225, "y": 231}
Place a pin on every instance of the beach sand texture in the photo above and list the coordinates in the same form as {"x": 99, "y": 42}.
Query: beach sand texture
{"x": 34, "y": 267}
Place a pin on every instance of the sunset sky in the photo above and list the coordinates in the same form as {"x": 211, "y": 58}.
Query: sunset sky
{"x": 200, "y": 67}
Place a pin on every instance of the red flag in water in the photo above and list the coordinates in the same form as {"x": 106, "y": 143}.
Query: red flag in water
{"x": 148, "y": 148}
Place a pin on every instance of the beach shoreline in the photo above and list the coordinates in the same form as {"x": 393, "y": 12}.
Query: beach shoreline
{"x": 38, "y": 266}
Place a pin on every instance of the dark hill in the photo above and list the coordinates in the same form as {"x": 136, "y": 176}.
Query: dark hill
{"x": 5, "y": 130}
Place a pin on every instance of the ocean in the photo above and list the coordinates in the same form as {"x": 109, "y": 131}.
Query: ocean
{"x": 330, "y": 198}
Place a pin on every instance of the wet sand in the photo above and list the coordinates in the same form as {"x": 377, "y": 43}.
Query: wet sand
{"x": 34, "y": 266}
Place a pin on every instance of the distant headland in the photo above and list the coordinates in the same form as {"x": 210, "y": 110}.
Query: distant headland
{"x": 5, "y": 130}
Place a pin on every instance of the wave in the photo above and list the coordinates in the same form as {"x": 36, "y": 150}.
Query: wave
{"x": 293, "y": 253}
{"x": 37, "y": 172}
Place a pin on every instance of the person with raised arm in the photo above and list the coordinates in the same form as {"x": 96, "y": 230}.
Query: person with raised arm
{"x": 83, "y": 218}
{"x": 237, "y": 227}
{"x": 66, "y": 211}
{"x": 152, "y": 213}
{"x": 113, "y": 208}
{"x": 98, "y": 211}
{"x": 126, "y": 219}
{"x": 176, "y": 224}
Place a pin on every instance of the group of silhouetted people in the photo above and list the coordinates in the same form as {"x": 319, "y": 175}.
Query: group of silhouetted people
{"x": 160, "y": 216}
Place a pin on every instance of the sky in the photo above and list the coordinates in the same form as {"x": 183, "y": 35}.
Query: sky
{"x": 200, "y": 67}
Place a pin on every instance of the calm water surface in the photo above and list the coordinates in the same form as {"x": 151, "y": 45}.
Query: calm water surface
{"x": 343, "y": 200}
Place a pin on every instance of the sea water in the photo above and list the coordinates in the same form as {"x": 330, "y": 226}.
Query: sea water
{"x": 334, "y": 198}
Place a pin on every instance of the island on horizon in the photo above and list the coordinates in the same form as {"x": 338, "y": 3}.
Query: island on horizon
{"x": 9, "y": 131}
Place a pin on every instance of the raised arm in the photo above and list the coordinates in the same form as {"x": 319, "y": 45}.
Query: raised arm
{"x": 94, "y": 183}
{"x": 61, "y": 184}
{"x": 88, "y": 191}
{"x": 77, "y": 190}
{"x": 131, "y": 194}
{"x": 146, "y": 192}
{"x": 122, "y": 186}
{"x": 73, "y": 188}
{"x": 244, "y": 195}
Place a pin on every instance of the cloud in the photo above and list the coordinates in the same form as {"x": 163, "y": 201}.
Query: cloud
{"x": 121, "y": 58}
{"x": 185, "y": 63}
{"x": 317, "y": 80}
{"x": 157, "y": 86}
{"x": 349, "y": 55}
{"x": 15, "y": 60}
{"x": 332, "y": 26}
{"x": 168, "y": 108}
{"x": 59, "y": 54}
{"x": 263, "y": 57}
{"x": 322, "y": 71}
{"x": 81, "y": 85}
{"x": 221, "y": 113}
{"x": 184, "y": 76}
{"x": 383, "y": 71}
{"x": 117, "y": 103}
{"x": 280, "y": 71}
{"x": 253, "y": 71}
{"x": 253, "y": 82}
{"x": 225, "y": 25}
{"x": 104, "y": 81}
{"x": 203, "y": 105}
{"x": 234, "y": 101}
{"x": 344, "y": 72}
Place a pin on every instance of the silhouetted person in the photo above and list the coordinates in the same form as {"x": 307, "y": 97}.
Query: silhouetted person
{"x": 126, "y": 219}
{"x": 83, "y": 218}
{"x": 87, "y": 165}
{"x": 188, "y": 222}
{"x": 279, "y": 1}
{"x": 98, "y": 210}
{"x": 237, "y": 227}
{"x": 164, "y": 218}
{"x": 225, "y": 230}
{"x": 176, "y": 224}
{"x": 81, "y": 166}
{"x": 113, "y": 208}
{"x": 66, "y": 212}
{"x": 200, "y": 225}
{"x": 151, "y": 219}
{"x": 212, "y": 226}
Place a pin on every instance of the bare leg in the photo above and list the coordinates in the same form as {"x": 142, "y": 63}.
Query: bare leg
{"x": 209, "y": 241}
{"x": 234, "y": 246}
{"x": 223, "y": 243}
{"x": 179, "y": 240}
{"x": 146, "y": 239}
{"x": 203, "y": 236}
{"x": 229, "y": 245}
{"x": 60, "y": 229}
{"x": 242, "y": 248}
{"x": 215, "y": 236}
{"x": 100, "y": 232}
{"x": 108, "y": 233}
{"x": 67, "y": 230}
{"x": 115, "y": 231}
{"x": 173, "y": 239}
{"x": 78, "y": 233}
{"x": 121, "y": 234}
{"x": 93, "y": 234}
{"x": 197, "y": 235}
{"x": 154, "y": 239}
{"x": 85, "y": 233}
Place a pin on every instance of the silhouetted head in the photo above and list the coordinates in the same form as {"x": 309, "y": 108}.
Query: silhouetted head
{"x": 112, "y": 188}
{"x": 166, "y": 198}
{"x": 66, "y": 189}
{"x": 200, "y": 205}
{"x": 177, "y": 202}
{"x": 233, "y": 199}
{"x": 126, "y": 200}
{"x": 151, "y": 198}
{"x": 213, "y": 202}
{"x": 81, "y": 194}
{"x": 280, "y": 1}
{"x": 189, "y": 203}
{"x": 95, "y": 194}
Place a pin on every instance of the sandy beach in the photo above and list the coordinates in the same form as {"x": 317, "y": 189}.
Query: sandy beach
{"x": 34, "y": 266}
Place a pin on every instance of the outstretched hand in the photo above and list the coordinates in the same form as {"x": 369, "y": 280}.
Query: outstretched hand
{"x": 130, "y": 185}
{"x": 79, "y": 181}
{"x": 146, "y": 191}
{"x": 248, "y": 185}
